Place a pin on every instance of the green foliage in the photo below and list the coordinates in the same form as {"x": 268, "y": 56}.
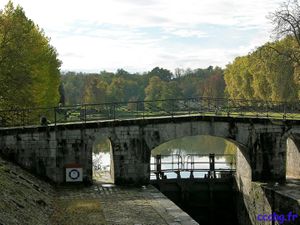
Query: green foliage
{"x": 163, "y": 74}
{"x": 94, "y": 90}
{"x": 154, "y": 89}
{"x": 116, "y": 89}
{"x": 157, "y": 84}
{"x": 29, "y": 68}
{"x": 265, "y": 74}
{"x": 238, "y": 79}
{"x": 202, "y": 82}
{"x": 74, "y": 85}
{"x": 272, "y": 71}
{"x": 230, "y": 148}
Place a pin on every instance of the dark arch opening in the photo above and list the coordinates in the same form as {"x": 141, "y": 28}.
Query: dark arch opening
{"x": 102, "y": 157}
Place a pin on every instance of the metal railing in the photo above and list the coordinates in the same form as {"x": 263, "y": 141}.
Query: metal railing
{"x": 144, "y": 109}
{"x": 209, "y": 164}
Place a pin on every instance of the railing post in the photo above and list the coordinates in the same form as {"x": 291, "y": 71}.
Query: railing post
{"x": 212, "y": 172}
{"x": 158, "y": 166}
{"x": 114, "y": 111}
{"x": 54, "y": 115}
{"x": 172, "y": 107}
{"x": 23, "y": 117}
{"x": 144, "y": 107}
{"x": 192, "y": 167}
{"x": 228, "y": 110}
{"x": 137, "y": 109}
{"x": 284, "y": 110}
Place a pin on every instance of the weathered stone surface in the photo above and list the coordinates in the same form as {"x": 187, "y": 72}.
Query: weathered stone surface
{"x": 293, "y": 157}
{"x": 263, "y": 144}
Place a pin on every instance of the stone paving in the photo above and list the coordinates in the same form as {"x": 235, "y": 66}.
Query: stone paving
{"x": 128, "y": 205}
{"x": 131, "y": 206}
{"x": 139, "y": 206}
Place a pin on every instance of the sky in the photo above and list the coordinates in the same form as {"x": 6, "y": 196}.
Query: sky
{"x": 138, "y": 35}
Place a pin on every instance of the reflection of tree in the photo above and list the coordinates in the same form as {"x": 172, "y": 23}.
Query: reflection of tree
{"x": 101, "y": 145}
{"x": 230, "y": 149}
{"x": 192, "y": 145}
{"x": 101, "y": 161}
{"x": 100, "y": 149}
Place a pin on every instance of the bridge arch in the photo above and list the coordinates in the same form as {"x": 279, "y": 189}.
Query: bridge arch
{"x": 132, "y": 145}
{"x": 184, "y": 147}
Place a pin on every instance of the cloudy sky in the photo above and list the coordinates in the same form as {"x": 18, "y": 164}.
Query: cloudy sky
{"x": 137, "y": 35}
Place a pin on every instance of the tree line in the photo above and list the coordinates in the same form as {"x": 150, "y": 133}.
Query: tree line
{"x": 156, "y": 84}
{"x": 30, "y": 70}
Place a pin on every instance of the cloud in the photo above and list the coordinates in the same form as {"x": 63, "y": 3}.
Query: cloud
{"x": 140, "y": 34}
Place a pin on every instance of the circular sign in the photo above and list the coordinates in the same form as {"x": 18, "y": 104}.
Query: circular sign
{"x": 74, "y": 174}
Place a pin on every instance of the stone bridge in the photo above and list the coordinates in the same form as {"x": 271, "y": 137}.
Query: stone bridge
{"x": 269, "y": 149}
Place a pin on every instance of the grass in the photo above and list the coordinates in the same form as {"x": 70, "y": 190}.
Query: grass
{"x": 25, "y": 200}
{"x": 78, "y": 212}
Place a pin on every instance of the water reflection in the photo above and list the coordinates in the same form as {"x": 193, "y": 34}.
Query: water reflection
{"x": 101, "y": 161}
{"x": 199, "y": 164}
{"x": 193, "y": 145}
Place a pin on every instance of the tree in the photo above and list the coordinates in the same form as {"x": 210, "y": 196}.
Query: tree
{"x": 273, "y": 72}
{"x": 62, "y": 97}
{"x": 163, "y": 74}
{"x": 178, "y": 72}
{"x": 94, "y": 90}
{"x": 29, "y": 67}
{"x": 238, "y": 79}
{"x": 74, "y": 84}
{"x": 264, "y": 74}
{"x": 122, "y": 72}
{"x": 170, "y": 90}
{"x": 116, "y": 90}
{"x": 154, "y": 89}
{"x": 213, "y": 86}
{"x": 286, "y": 21}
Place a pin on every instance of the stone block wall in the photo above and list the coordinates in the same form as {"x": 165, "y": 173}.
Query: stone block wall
{"x": 34, "y": 151}
{"x": 45, "y": 152}
{"x": 255, "y": 198}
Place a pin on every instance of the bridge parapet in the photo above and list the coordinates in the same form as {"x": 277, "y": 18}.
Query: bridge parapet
{"x": 149, "y": 109}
